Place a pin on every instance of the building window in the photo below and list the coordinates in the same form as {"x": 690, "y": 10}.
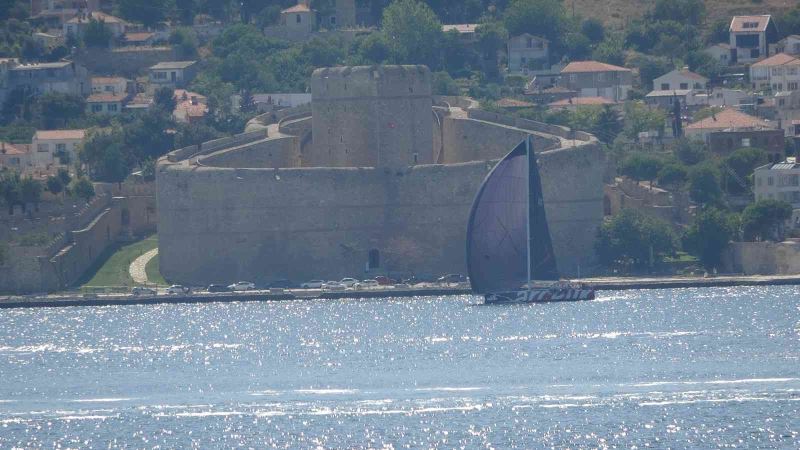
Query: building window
{"x": 791, "y": 86}
{"x": 298, "y": 19}
{"x": 160, "y": 75}
{"x": 61, "y": 147}
{"x": 745, "y": 142}
{"x": 374, "y": 259}
{"x": 758, "y": 181}
{"x": 112, "y": 107}
{"x": 770, "y": 181}
{"x": 684, "y": 85}
{"x": 43, "y": 148}
{"x": 97, "y": 108}
{"x": 664, "y": 86}
{"x": 698, "y": 86}
{"x": 529, "y": 42}
{"x": 333, "y": 20}
{"x": 750, "y": 25}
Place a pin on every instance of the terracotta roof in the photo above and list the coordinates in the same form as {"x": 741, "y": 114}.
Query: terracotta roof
{"x": 105, "y": 98}
{"x": 592, "y": 66}
{"x": 192, "y": 110}
{"x": 729, "y": 118}
{"x": 183, "y": 94}
{"x": 96, "y": 15}
{"x": 761, "y": 23}
{"x": 13, "y": 149}
{"x": 57, "y": 135}
{"x": 108, "y": 80}
{"x": 461, "y": 27}
{"x": 138, "y": 37}
{"x": 513, "y": 103}
{"x": 300, "y": 7}
{"x": 777, "y": 60}
{"x": 582, "y": 101}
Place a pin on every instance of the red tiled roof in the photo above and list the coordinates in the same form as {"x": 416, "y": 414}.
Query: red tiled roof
{"x": 96, "y": 15}
{"x": 138, "y": 37}
{"x": 513, "y": 103}
{"x": 108, "y": 80}
{"x": 737, "y": 24}
{"x": 592, "y": 66}
{"x": 192, "y": 110}
{"x": 729, "y": 118}
{"x": 183, "y": 94}
{"x": 105, "y": 98}
{"x": 777, "y": 60}
{"x": 582, "y": 101}
{"x": 695, "y": 76}
{"x": 297, "y": 9}
{"x": 43, "y": 135}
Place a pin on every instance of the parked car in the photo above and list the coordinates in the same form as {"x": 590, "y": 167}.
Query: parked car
{"x": 366, "y": 284}
{"x": 242, "y": 286}
{"x": 417, "y": 279}
{"x": 313, "y": 284}
{"x": 217, "y": 288}
{"x": 349, "y": 282}
{"x": 452, "y": 278}
{"x": 384, "y": 280}
{"x": 334, "y": 286}
{"x": 140, "y": 290}
{"x": 177, "y": 289}
{"x": 282, "y": 284}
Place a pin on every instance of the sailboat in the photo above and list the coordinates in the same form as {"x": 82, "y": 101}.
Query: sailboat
{"x": 510, "y": 255}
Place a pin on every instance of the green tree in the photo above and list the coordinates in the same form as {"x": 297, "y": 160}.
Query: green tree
{"x": 545, "y": 18}
{"x": 719, "y": 31}
{"x": 413, "y": 33}
{"x": 30, "y": 192}
{"x": 608, "y": 125}
{"x": 64, "y": 176}
{"x": 764, "y": 220}
{"x": 577, "y": 46}
{"x": 83, "y": 188}
{"x": 185, "y": 40}
{"x": 164, "y": 99}
{"x": 492, "y": 39}
{"x": 704, "y": 184}
{"x": 56, "y": 109}
{"x": 269, "y": 15}
{"x": 641, "y": 167}
{"x": 372, "y": 49}
{"x": 97, "y": 34}
{"x": 10, "y": 189}
{"x": 634, "y": 241}
{"x": 103, "y": 154}
{"x": 672, "y": 175}
{"x": 692, "y": 12}
{"x": 148, "y": 12}
{"x": 593, "y": 29}
{"x": 443, "y": 84}
{"x": 54, "y": 185}
{"x": 709, "y": 235}
{"x": 639, "y": 118}
{"x": 742, "y": 162}
{"x": 690, "y": 151}
{"x": 611, "y": 50}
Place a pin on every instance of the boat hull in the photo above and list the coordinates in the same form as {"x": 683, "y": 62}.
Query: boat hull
{"x": 540, "y": 296}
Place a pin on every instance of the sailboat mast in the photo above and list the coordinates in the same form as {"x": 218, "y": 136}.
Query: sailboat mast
{"x": 528, "y": 211}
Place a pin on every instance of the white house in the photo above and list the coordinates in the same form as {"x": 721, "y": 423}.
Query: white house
{"x": 751, "y": 36}
{"x": 49, "y": 146}
{"x": 790, "y": 45}
{"x": 778, "y": 73}
{"x": 726, "y": 120}
{"x": 683, "y": 79}
{"x": 465, "y": 31}
{"x": 721, "y": 53}
{"x": 728, "y": 97}
{"x": 77, "y": 25}
{"x": 14, "y": 156}
{"x": 109, "y": 85}
{"x": 780, "y": 181}
{"x": 172, "y": 74}
{"x": 105, "y": 103}
{"x": 527, "y": 52}
{"x": 597, "y": 79}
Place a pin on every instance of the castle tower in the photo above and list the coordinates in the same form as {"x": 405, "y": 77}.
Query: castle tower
{"x": 371, "y": 116}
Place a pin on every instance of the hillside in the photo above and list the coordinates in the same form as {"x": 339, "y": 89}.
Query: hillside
{"x": 618, "y": 12}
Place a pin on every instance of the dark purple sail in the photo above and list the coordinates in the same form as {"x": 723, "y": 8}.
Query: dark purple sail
{"x": 497, "y": 231}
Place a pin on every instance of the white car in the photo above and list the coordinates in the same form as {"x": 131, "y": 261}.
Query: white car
{"x": 139, "y": 290}
{"x": 349, "y": 282}
{"x": 313, "y": 284}
{"x": 177, "y": 289}
{"x": 367, "y": 284}
{"x": 334, "y": 286}
{"x": 242, "y": 286}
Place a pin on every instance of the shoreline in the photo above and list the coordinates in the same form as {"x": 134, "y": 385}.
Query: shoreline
{"x": 601, "y": 284}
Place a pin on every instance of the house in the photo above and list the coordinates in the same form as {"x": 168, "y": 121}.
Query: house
{"x": 77, "y": 25}
{"x": 109, "y": 85}
{"x": 722, "y": 53}
{"x": 296, "y": 23}
{"x": 51, "y": 147}
{"x": 751, "y": 37}
{"x": 139, "y": 39}
{"x": 572, "y": 103}
{"x": 527, "y": 52}
{"x": 770, "y": 141}
{"x": 465, "y": 31}
{"x": 105, "y": 103}
{"x": 728, "y": 119}
{"x": 777, "y": 73}
{"x": 65, "y": 77}
{"x": 666, "y": 99}
{"x": 138, "y": 103}
{"x": 790, "y": 44}
{"x": 190, "y": 107}
{"x": 172, "y": 74}
{"x": 728, "y": 97}
{"x": 778, "y": 181}
{"x": 270, "y": 102}
{"x": 596, "y": 79}
{"x": 344, "y": 14}
{"x": 683, "y": 79}
{"x": 47, "y": 41}
{"x": 14, "y": 156}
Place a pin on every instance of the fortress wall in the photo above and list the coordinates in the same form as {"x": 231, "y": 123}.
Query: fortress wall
{"x": 371, "y": 117}
{"x": 221, "y": 225}
{"x": 471, "y": 140}
{"x": 269, "y": 153}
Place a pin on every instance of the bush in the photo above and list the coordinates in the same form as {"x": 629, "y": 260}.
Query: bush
{"x": 704, "y": 184}
{"x": 634, "y": 241}
{"x": 708, "y": 236}
{"x": 764, "y": 220}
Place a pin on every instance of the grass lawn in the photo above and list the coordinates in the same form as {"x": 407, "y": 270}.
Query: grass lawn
{"x": 153, "y": 272}
{"x": 114, "y": 271}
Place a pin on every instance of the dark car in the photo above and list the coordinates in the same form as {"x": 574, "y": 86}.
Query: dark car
{"x": 283, "y": 284}
{"x": 218, "y": 288}
{"x": 452, "y": 278}
{"x": 384, "y": 280}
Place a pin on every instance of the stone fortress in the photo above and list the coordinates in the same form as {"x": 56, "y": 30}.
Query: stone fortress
{"x": 376, "y": 176}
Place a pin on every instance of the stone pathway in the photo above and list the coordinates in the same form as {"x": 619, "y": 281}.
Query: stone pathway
{"x": 138, "y": 265}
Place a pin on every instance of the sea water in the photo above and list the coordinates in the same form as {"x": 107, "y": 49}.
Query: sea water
{"x": 683, "y": 368}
